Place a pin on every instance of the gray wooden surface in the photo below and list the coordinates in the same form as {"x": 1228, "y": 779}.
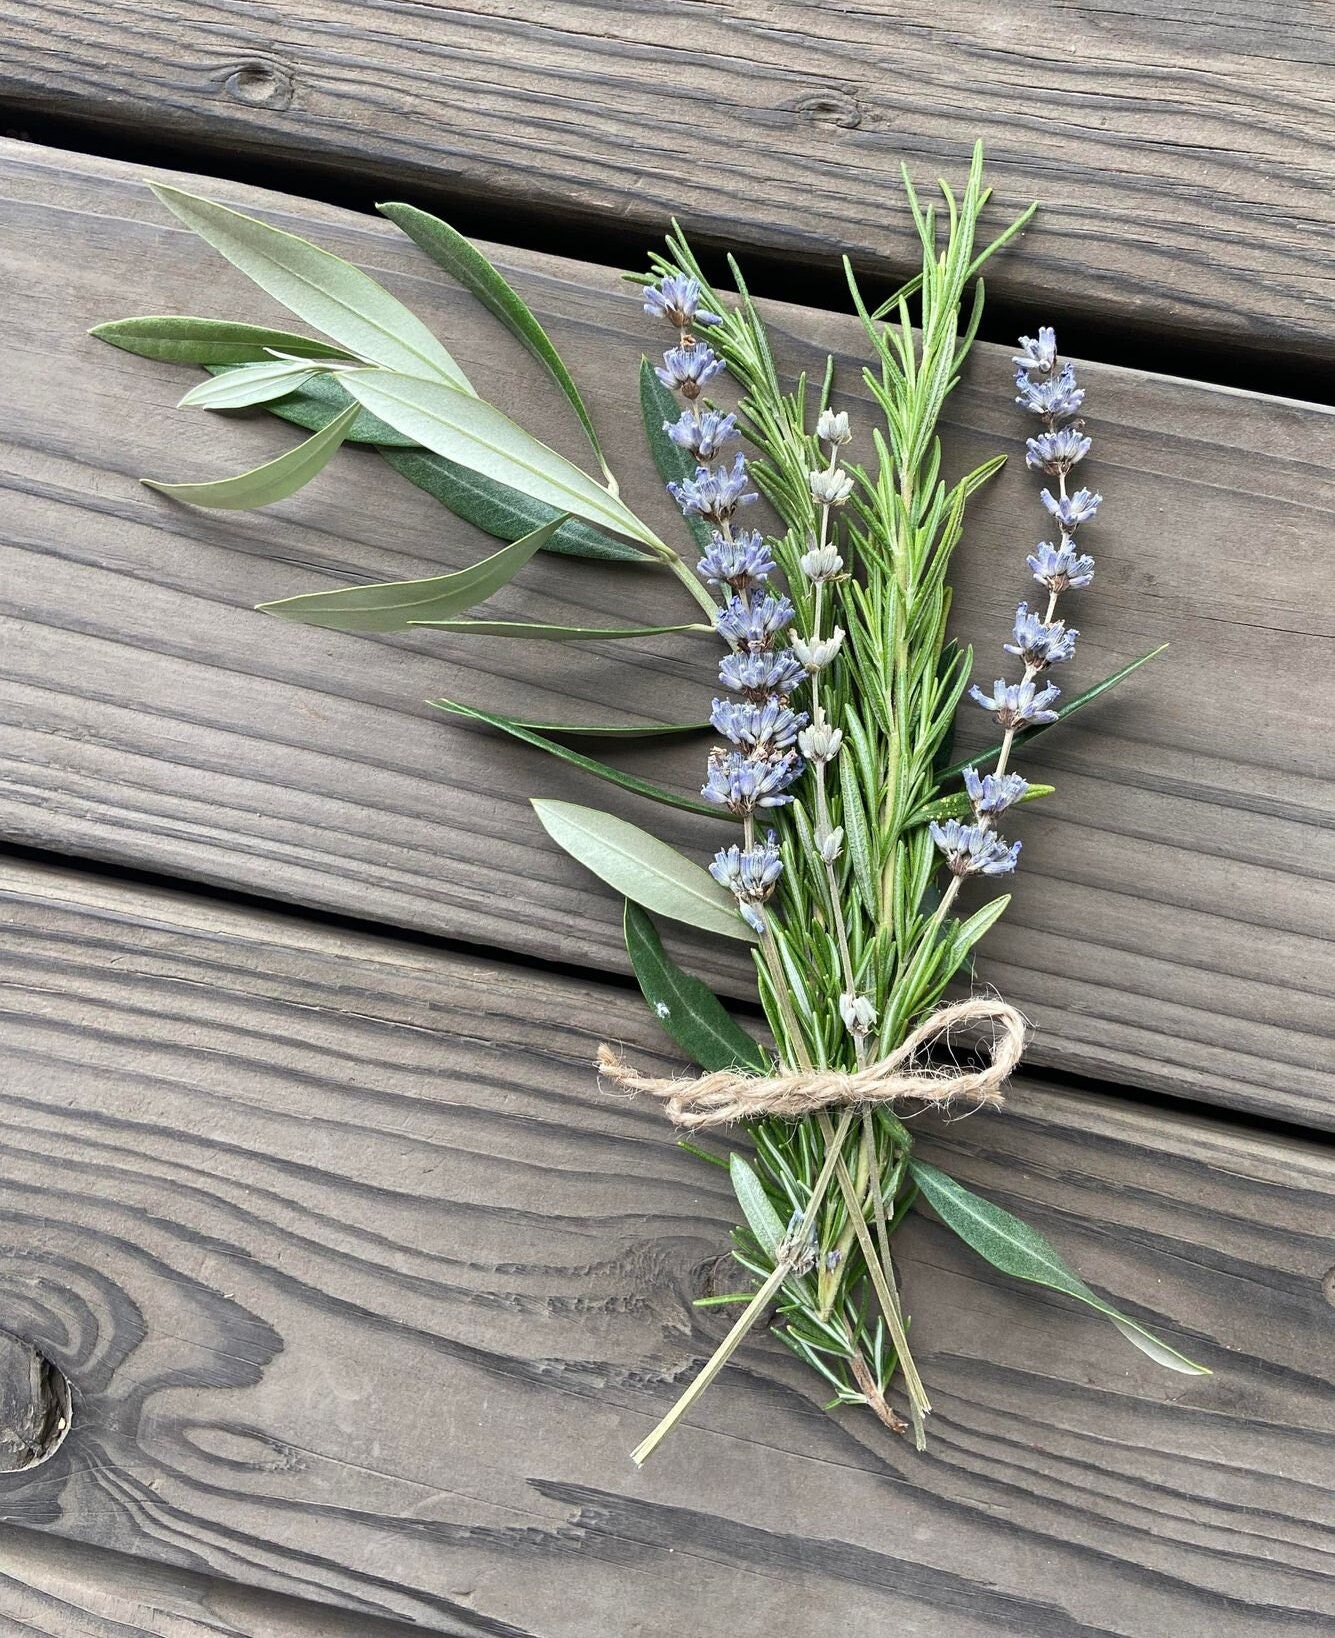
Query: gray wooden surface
{"x": 367, "y": 1292}
{"x": 1183, "y": 152}
{"x": 1171, "y": 927}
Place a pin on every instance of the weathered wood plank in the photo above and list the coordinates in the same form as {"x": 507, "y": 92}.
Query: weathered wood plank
{"x": 1182, "y": 152}
{"x": 1171, "y": 924}
{"x": 365, "y": 1292}
{"x": 60, "y": 1589}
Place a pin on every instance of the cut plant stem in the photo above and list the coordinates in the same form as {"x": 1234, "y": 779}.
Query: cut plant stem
{"x": 785, "y": 1265}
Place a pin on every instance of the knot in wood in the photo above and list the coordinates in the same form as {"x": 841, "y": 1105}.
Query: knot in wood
{"x": 34, "y": 1406}
{"x": 829, "y": 107}
{"x": 261, "y": 84}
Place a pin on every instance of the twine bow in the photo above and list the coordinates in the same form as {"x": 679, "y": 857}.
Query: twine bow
{"x": 726, "y": 1095}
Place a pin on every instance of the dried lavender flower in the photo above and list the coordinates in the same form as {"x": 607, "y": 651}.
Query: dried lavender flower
{"x": 821, "y": 564}
{"x": 815, "y": 656}
{"x": 688, "y": 368}
{"x": 714, "y": 493}
{"x": 1018, "y": 705}
{"x": 754, "y": 623}
{"x": 831, "y": 488}
{"x": 1056, "y": 397}
{"x": 677, "y": 299}
{"x": 1060, "y": 568}
{"x": 739, "y": 561}
{"x": 1071, "y": 510}
{"x": 1057, "y": 451}
{"x": 770, "y": 724}
{"x": 1039, "y": 643}
{"x": 1037, "y": 353}
{"x": 702, "y": 432}
{"x": 758, "y": 674}
{"x": 992, "y": 793}
{"x": 971, "y": 850}
{"x": 743, "y": 783}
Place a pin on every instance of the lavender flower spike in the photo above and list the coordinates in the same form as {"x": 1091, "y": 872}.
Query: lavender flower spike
{"x": 769, "y": 724}
{"x": 744, "y": 783}
{"x": 677, "y": 299}
{"x": 992, "y": 794}
{"x": 714, "y": 493}
{"x": 972, "y": 851}
{"x": 1056, "y": 452}
{"x": 1037, "y": 353}
{"x": 1040, "y": 644}
{"x": 1052, "y": 397}
{"x": 1071, "y": 510}
{"x": 750, "y": 873}
{"x": 742, "y": 562}
{"x": 754, "y": 624}
{"x": 687, "y": 369}
{"x": 1018, "y": 705}
{"x": 703, "y": 432}
{"x": 1060, "y": 568}
{"x": 759, "y": 674}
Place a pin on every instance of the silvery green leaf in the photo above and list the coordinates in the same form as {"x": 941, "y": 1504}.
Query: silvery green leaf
{"x": 965, "y": 934}
{"x": 395, "y": 604}
{"x": 466, "y": 263}
{"x": 757, "y": 1208}
{"x": 674, "y": 464}
{"x": 184, "y": 340}
{"x": 248, "y": 384}
{"x": 337, "y": 298}
{"x": 642, "y": 868}
{"x": 493, "y": 507}
{"x": 537, "y": 632}
{"x": 689, "y": 1011}
{"x": 587, "y": 764}
{"x": 274, "y": 481}
{"x": 463, "y": 428}
{"x": 1012, "y": 1246}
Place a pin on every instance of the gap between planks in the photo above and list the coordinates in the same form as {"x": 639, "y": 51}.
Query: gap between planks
{"x": 1182, "y": 158}
{"x": 365, "y": 1292}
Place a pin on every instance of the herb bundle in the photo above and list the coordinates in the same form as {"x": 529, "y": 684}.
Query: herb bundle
{"x": 853, "y": 836}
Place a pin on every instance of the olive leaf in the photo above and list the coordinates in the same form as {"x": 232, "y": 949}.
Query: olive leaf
{"x": 1011, "y": 1245}
{"x": 599, "y": 730}
{"x": 248, "y": 384}
{"x": 588, "y": 764}
{"x": 262, "y": 485}
{"x": 394, "y": 605}
{"x": 466, "y": 263}
{"x": 337, "y": 298}
{"x": 689, "y": 1011}
{"x": 463, "y": 428}
{"x": 757, "y": 1207}
{"x": 180, "y": 339}
{"x": 538, "y": 632}
{"x": 642, "y": 868}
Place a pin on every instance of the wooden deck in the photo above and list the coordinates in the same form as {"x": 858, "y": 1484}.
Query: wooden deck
{"x": 363, "y": 1288}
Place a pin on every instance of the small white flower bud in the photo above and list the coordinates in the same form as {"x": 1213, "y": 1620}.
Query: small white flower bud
{"x": 822, "y": 563}
{"x": 831, "y": 844}
{"x": 858, "y": 1014}
{"x": 816, "y": 656}
{"x": 832, "y": 428}
{"x": 820, "y": 742}
{"x": 831, "y": 488}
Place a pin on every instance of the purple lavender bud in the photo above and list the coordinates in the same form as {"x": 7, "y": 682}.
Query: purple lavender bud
{"x": 744, "y": 783}
{"x": 1071, "y": 510}
{"x": 1018, "y": 705}
{"x": 687, "y": 369}
{"x": 1057, "y": 451}
{"x": 714, "y": 493}
{"x": 1054, "y": 397}
{"x": 1060, "y": 568}
{"x": 749, "y": 872}
{"x": 769, "y": 723}
{"x": 754, "y": 623}
{"x": 992, "y": 794}
{"x": 972, "y": 851}
{"x": 677, "y": 299}
{"x": 702, "y": 432}
{"x": 762, "y": 673}
{"x": 1039, "y": 644}
{"x": 742, "y": 562}
{"x": 1037, "y": 353}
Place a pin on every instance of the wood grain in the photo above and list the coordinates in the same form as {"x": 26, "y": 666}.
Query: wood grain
{"x": 1182, "y": 152}
{"x": 1171, "y": 923}
{"x": 366, "y": 1291}
{"x": 61, "y": 1589}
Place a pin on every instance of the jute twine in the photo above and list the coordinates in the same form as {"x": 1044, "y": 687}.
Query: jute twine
{"x": 734, "y": 1094}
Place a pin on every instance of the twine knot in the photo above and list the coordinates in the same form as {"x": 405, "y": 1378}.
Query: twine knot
{"x": 726, "y": 1095}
